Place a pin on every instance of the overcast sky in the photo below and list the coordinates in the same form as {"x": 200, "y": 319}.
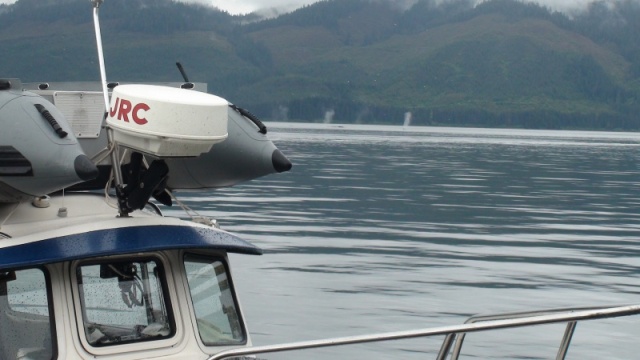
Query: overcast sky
{"x": 247, "y": 6}
{"x": 238, "y": 6}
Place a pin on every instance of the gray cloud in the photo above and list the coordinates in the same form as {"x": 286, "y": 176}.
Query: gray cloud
{"x": 247, "y": 6}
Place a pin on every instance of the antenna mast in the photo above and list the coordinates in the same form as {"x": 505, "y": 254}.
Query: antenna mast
{"x": 103, "y": 73}
{"x": 115, "y": 161}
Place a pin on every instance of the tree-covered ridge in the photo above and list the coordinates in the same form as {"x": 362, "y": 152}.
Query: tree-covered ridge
{"x": 497, "y": 63}
{"x": 149, "y": 16}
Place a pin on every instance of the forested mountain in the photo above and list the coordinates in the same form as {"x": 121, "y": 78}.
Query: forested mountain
{"x": 497, "y": 63}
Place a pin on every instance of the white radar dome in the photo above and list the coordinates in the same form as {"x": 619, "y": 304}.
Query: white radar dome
{"x": 165, "y": 121}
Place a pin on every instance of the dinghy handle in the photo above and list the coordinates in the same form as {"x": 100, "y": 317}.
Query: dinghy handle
{"x": 52, "y": 121}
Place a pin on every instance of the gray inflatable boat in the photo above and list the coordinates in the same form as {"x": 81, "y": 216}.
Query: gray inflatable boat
{"x": 35, "y": 159}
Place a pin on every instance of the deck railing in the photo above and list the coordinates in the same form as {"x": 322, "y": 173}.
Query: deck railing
{"x": 456, "y": 333}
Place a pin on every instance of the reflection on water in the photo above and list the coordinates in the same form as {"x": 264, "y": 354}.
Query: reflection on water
{"x": 383, "y": 229}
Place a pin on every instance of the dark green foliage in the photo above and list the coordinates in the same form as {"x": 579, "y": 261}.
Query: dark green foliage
{"x": 426, "y": 14}
{"x": 502, "y": 63}
{"x": 251, "y": 51}
{"x": 47, "y": 11}
{"x": 513, "y": 10}
{"x": 614, "y": 24}
{"x": 325, "y": 13}
{"x": 590, "y": 79}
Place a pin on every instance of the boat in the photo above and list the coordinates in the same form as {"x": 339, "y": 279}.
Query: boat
{"x": 89, "y": 266}
{"x": 246, "y": 154}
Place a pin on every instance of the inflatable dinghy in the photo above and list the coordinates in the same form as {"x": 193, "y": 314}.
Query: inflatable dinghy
{"x": 39, "y": 153}
{"x": 78, "y": 109}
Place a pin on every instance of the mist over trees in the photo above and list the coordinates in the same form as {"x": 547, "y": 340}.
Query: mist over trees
{"x": 497, "y": 63}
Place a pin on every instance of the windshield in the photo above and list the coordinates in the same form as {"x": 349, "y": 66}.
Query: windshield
{"x": 25, "y": 321}
{"x": 213, "y": 301}
{"x": 124, "y": 302}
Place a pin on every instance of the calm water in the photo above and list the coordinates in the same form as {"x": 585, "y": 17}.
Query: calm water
{"x": 383, "y": 229}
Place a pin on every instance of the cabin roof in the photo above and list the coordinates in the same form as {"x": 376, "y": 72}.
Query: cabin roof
{"x": 118, "y": 241}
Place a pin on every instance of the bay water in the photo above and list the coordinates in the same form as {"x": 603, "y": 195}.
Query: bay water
{"x": 382, "y": 228}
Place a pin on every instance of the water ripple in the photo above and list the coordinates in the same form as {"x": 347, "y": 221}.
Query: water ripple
{"x": 381, "y": 229}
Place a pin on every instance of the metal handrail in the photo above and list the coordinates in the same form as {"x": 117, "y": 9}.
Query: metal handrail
{"x": 562, "y": 350}
{"x": 567, "y": 315}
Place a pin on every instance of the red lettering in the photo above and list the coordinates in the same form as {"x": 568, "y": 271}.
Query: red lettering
{"x": 112, "y": 111}
{"x": 136, "y": 110}
{"x": 124, "y": 110}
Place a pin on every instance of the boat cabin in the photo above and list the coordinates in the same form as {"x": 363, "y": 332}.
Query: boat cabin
{"x": 79, "y": 282}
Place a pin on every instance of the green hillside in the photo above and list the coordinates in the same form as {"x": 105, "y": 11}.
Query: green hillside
{"x": 500, "y": 63}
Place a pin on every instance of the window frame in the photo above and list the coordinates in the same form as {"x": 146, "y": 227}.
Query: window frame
{"x": 167, "y": 286}
{"x": 50, "y": 305}
{"x": 210, "y": 258}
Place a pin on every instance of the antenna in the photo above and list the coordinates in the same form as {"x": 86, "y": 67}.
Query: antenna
{"x": 103, "y": 73}
{"x": 187, "y": 84}
{"x": 115, "y": 161}
{"x": 184, "y": 74}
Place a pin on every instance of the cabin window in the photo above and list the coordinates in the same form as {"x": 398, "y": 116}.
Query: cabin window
{"x": 213, "y": 301}
{"x": 26, "y": 315}
{"x": 124, "y": 302}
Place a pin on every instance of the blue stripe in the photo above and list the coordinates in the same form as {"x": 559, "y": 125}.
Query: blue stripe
{"x": 121, "y": 241}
